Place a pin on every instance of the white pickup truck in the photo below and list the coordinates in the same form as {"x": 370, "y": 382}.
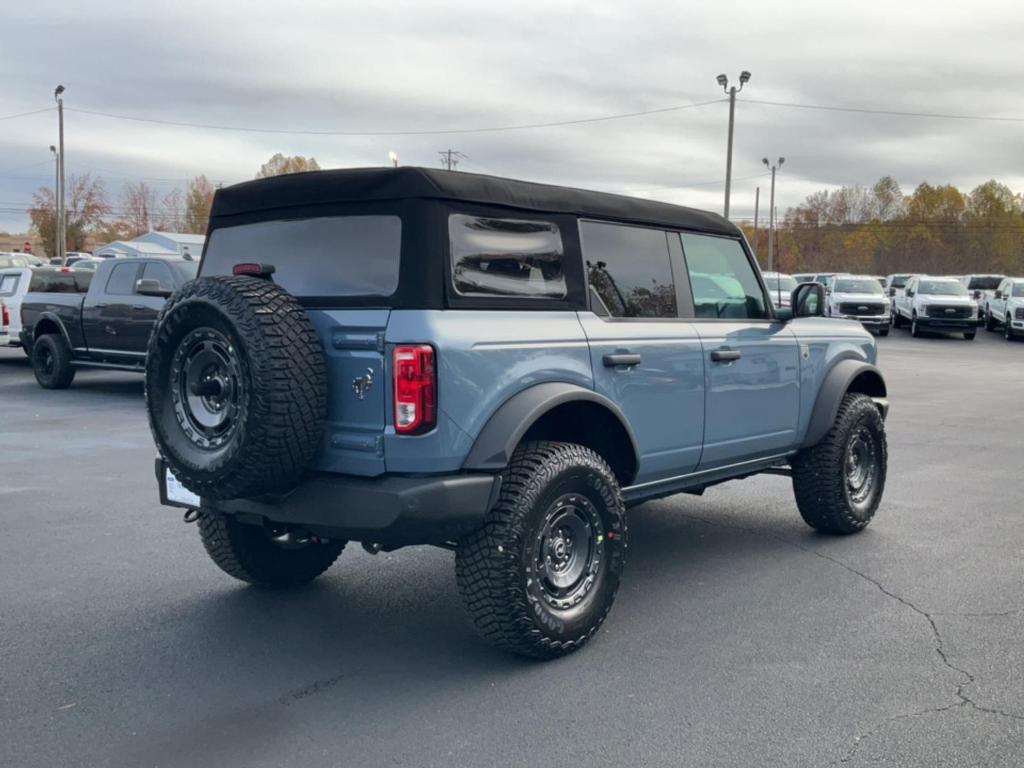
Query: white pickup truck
{"x": 1006, "y": 308}
{"x": 936, "y": 303}
{"x": 861, "y": 298}
{"x": 14, "y": 283}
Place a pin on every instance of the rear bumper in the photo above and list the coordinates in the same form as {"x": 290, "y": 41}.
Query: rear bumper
{"x": 393, "y": 510}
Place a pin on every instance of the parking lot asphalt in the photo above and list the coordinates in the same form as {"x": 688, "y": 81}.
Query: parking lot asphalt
{"x": 739, "y": 637}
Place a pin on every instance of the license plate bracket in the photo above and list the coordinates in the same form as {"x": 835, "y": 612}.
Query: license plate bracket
{"x": 172, "y": 492}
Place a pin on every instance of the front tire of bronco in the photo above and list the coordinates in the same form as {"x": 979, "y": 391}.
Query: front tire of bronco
{"x": 839, "y": 482}
{"x": 539, "y": 577}
{"x": 262, "y": 556}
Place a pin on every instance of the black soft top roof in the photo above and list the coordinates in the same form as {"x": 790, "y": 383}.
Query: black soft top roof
{"x": 380, "y": 184}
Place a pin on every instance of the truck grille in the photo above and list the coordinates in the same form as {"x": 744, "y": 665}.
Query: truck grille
{"x": 1019, "y": 314}
{"x": 950, "y": 313}
{"x": 860, "y": 308}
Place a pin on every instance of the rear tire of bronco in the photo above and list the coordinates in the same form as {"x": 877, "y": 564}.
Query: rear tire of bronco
{"x": 51, "y": 362}
{"x": 839, "y": 482}
{"x": 236, "y": 387}
{"x": 254, "y": 554}
{"x": 540, "y": 576}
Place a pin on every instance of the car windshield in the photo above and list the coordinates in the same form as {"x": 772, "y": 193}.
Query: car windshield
{"x": 942, "y": 288}
{"x": 1018, "y": 290}
{"x": 865, "y": 285}
{"x": 780, "y": 283}
{"x": 826, "y": 279}
{"x": 984, "y": 283}
{"x": 899, "y": 281}
{"x": 13, "y": 261}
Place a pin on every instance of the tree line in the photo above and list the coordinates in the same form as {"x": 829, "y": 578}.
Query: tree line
{"x": 93, "y": 219}
{"x": 880, "y": 230}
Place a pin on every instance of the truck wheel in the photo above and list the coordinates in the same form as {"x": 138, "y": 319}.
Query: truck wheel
{"x": 897, "y": 320}
{"x": 883, "y": 331}
{"x": 1008, "y": 333}
{"x": 51, "y": 362}
{"x": 990, "y": 323}
{"x": 915, "y": 330}
{"x": 539, "y": 577}
{"x": 839, "y": 482}
{"x": 236, "y": 387}
{"x": 263, "y": 556}
{"x": 969, "y": 335}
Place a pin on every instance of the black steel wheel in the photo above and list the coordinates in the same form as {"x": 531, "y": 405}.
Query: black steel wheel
{"x": 540, "y": 576}
{"x": 915, "y": 329}
{"x": 1008, "y": 333}
{"x": 839, "y": 482}
{"x": 51, "y": 362}
{"x": 236, "y": 387}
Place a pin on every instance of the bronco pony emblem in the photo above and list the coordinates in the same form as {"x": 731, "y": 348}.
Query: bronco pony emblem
{"x": 361, "y": 384}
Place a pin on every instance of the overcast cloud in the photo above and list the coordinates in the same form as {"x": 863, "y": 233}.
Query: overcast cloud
{"x": 405, "y": 65}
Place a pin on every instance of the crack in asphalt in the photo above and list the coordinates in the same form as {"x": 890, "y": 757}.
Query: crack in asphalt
{"x": 966, "y": 678}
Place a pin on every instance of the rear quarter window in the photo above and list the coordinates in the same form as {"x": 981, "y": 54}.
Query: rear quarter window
{"x": 9, "y": 284}
{"x": 506, "y": 257}
{"x": 315, "y": 257}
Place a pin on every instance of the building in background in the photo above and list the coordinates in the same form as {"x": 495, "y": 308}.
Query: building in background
{"x": 167, "y": 244}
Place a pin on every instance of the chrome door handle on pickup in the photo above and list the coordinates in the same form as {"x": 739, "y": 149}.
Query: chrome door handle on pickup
{"x": 621, "y": 358}
{"x": 725, "y": 355}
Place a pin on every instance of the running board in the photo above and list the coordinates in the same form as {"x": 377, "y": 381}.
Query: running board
{"x": 636, "y": 494}
{"x": 140, "y": 368}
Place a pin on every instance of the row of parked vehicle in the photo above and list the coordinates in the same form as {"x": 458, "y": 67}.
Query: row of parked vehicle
{"x": 64, "y": 318}
{"x": 955, "y": 303}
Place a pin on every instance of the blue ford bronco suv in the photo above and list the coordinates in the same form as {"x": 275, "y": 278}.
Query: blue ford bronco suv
{"x": 501, "y": 368}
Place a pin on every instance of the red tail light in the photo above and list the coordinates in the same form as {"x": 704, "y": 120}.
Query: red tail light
{"x": 415, "y": 389}
{"x": 6, "y": 315}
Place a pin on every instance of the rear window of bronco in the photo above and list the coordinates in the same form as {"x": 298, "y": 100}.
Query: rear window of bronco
{"x": 327, "y": 256}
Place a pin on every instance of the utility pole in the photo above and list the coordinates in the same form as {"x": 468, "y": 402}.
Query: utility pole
{"x": 62, "y": 242}
{"x": 757, "y": 203}
{"x": 450, "y": 158}
{"x": 56, "y": 201}
{"x": 771, "y": 213}
{"x": 732, "y": 91}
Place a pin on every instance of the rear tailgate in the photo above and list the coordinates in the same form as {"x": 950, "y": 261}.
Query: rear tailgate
{"x": 357, "y": 389}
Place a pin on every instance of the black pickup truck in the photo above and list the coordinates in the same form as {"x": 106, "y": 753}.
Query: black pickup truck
{"x": 100, "y": 319}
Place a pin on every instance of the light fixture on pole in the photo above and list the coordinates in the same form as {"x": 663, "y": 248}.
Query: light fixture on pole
{"x": 62, "y": 243}
{"x": 724, "y": 82}
{"x": 393, "y": 159}
{"x": 771, "y": 213}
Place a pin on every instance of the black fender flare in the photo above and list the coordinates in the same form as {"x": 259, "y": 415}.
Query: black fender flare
{"x": 835, "y": 386}
{"x": 56, "y": 321}
{"x": 499, "y": 437}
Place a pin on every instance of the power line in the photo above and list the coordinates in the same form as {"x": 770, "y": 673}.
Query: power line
{"x": 897, "y": 113}
{"x": 26, "y": 114}
{"x": 437, "y": 132}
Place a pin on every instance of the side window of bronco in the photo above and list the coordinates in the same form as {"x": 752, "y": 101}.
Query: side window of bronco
{"x": 629, "y": 269}
{"x": 724, "y": 282}
{"x": 506, "y": 257}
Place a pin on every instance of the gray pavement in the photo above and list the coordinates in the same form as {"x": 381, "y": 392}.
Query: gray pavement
{"x": 739, "y": 638}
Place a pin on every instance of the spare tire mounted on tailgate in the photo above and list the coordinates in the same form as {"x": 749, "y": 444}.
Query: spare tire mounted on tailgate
{"x": 236, "y": 387}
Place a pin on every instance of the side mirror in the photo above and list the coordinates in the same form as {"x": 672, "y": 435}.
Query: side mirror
{"x": 808, "y": 300}
{"x": 977, "y": 295}
{"x": 997, "y": 295}
{"x": 150, "y": 287}
{"x": 892, "y": 293}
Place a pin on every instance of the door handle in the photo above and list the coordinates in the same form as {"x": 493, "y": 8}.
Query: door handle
{"x": 138, "y": 306}
{"x": 725, "y": 355}
{"x": 98, "y": 306}
{"x": 621, "y": 358}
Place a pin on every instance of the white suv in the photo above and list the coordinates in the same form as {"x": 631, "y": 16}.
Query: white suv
{"x": 861, "y": 298}
{"x": 1006, "y": 308}
{"x": 936, "y": 303}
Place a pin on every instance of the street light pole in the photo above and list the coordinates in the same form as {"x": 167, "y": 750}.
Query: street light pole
{"x": 732, "y": 91}
{"x": 757, "y": 205}
{"x": 771, "y": 214}
{"x": 62, "y": 243}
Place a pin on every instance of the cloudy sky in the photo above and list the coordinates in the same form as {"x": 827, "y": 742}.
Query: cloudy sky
{"x": 403, "y": 66}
